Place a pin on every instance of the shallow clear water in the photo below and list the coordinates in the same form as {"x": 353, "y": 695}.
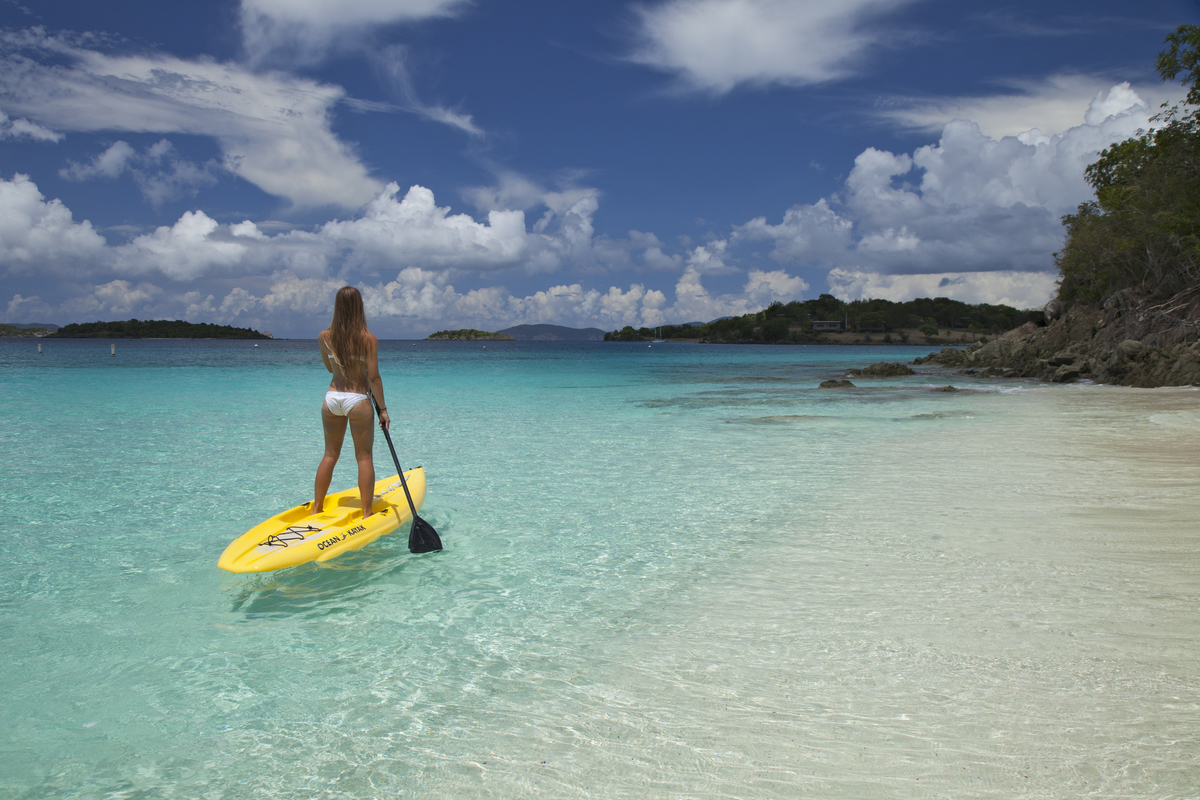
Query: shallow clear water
{"x": 670, "y": 571}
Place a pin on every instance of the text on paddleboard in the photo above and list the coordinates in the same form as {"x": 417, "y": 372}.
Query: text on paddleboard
{"x": 332, "y": 540}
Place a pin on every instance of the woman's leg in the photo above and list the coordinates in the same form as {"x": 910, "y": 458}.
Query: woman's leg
{"x": 362, "y": 430}
{"x": 335, "y": 433}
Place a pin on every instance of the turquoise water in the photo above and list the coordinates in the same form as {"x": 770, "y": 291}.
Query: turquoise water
{"x": 670, "y": 571}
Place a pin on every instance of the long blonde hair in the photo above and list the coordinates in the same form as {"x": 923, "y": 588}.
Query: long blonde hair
{"x": 348, "y": 335}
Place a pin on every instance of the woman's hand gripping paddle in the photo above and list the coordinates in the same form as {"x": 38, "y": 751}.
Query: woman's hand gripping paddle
{"x": 422, "y": 538}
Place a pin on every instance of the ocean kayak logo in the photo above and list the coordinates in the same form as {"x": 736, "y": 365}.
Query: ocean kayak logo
{"x": 332, "y": 540}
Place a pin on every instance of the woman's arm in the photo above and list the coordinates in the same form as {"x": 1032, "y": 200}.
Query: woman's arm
{"x": 324, "y": 350}
{"x": 375, "y": 381}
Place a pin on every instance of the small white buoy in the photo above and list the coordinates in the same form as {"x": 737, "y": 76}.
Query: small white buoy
{"x": 485, "y": 347}
{"x": 113, "y": 350}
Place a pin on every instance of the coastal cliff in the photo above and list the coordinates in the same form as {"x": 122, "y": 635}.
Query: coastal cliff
{"x": 1128, "y": 342}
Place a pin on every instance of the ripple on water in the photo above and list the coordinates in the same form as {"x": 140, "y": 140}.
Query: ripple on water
{"x": 637, "y": 598}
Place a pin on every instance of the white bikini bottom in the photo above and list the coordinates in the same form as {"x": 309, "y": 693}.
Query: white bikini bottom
{"x": 341, "y": 403}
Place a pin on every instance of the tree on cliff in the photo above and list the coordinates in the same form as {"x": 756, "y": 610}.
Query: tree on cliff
{"x": 1142, "y": 232}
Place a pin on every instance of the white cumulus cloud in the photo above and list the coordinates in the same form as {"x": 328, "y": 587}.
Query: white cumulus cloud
{"x": 694, "y": 303}
{"x": 404, "y": 252}
{"x": 39, "y": 235}
{"x": 109, "y": 164}
{"x": 969, "y": 203}
{"x": 112, "y": 299}
{"x": 808, "y": 233}
{"x": 710, "y": 259}
{"x": 415, "y": 230}
{"x": 22, "y": 308}
{"x": 763, "y": 288}
{"x": 390, "y": 233}
{"x": 184, "y": 251}
{"x": 715, "y": 45}
{"x": 158, "y": 181}
{"x": 1052, "y": 106}
{"x": 290, "y": 294}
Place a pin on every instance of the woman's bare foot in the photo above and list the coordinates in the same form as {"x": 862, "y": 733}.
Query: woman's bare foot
{"x": 371, "y": 511}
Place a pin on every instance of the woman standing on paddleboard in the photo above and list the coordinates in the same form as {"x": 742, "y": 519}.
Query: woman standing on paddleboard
{"x": 351, "y": 353}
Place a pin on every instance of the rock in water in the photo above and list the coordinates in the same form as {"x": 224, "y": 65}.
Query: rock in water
{"x": 884, "y": 369}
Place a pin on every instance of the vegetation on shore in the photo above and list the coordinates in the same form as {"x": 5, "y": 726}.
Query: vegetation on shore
{"x": 888, "y": 321}
{"x": 154, "y": 329}
{"x": 1140, "y": 238}
{"x": 469, "y": 335}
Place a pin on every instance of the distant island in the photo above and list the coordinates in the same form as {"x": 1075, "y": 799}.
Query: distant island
{"x": 553, "y": 333}
{"x": 468, "y": 335}
{"x": 154, "y": 329}
{"x": 523, "y": 333}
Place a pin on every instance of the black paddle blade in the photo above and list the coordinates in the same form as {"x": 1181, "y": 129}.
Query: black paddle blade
{"x": 423, "y": 538}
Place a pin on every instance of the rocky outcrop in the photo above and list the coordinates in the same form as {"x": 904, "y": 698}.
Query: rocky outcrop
{"x": 14, "y": 331}
{"x": 883, "y": 369}
{"x": 1053, "y": 310}
{"x": 836, "y": 385}
{"x": 1126, "y": 342}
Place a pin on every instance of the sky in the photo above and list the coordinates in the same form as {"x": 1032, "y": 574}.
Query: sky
{"x": 594, "y": 163}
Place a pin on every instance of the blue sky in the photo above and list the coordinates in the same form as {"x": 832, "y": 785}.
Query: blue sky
{"x": 486, "y": 163}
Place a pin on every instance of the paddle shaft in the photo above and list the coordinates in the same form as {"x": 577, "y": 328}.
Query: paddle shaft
{"x": 396, "y": 461}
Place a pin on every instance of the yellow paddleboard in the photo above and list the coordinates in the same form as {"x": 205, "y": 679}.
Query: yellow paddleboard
{"x": 297, "y": 536}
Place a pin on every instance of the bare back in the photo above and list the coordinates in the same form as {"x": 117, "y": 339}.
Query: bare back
{"x": 340, "y": 382}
